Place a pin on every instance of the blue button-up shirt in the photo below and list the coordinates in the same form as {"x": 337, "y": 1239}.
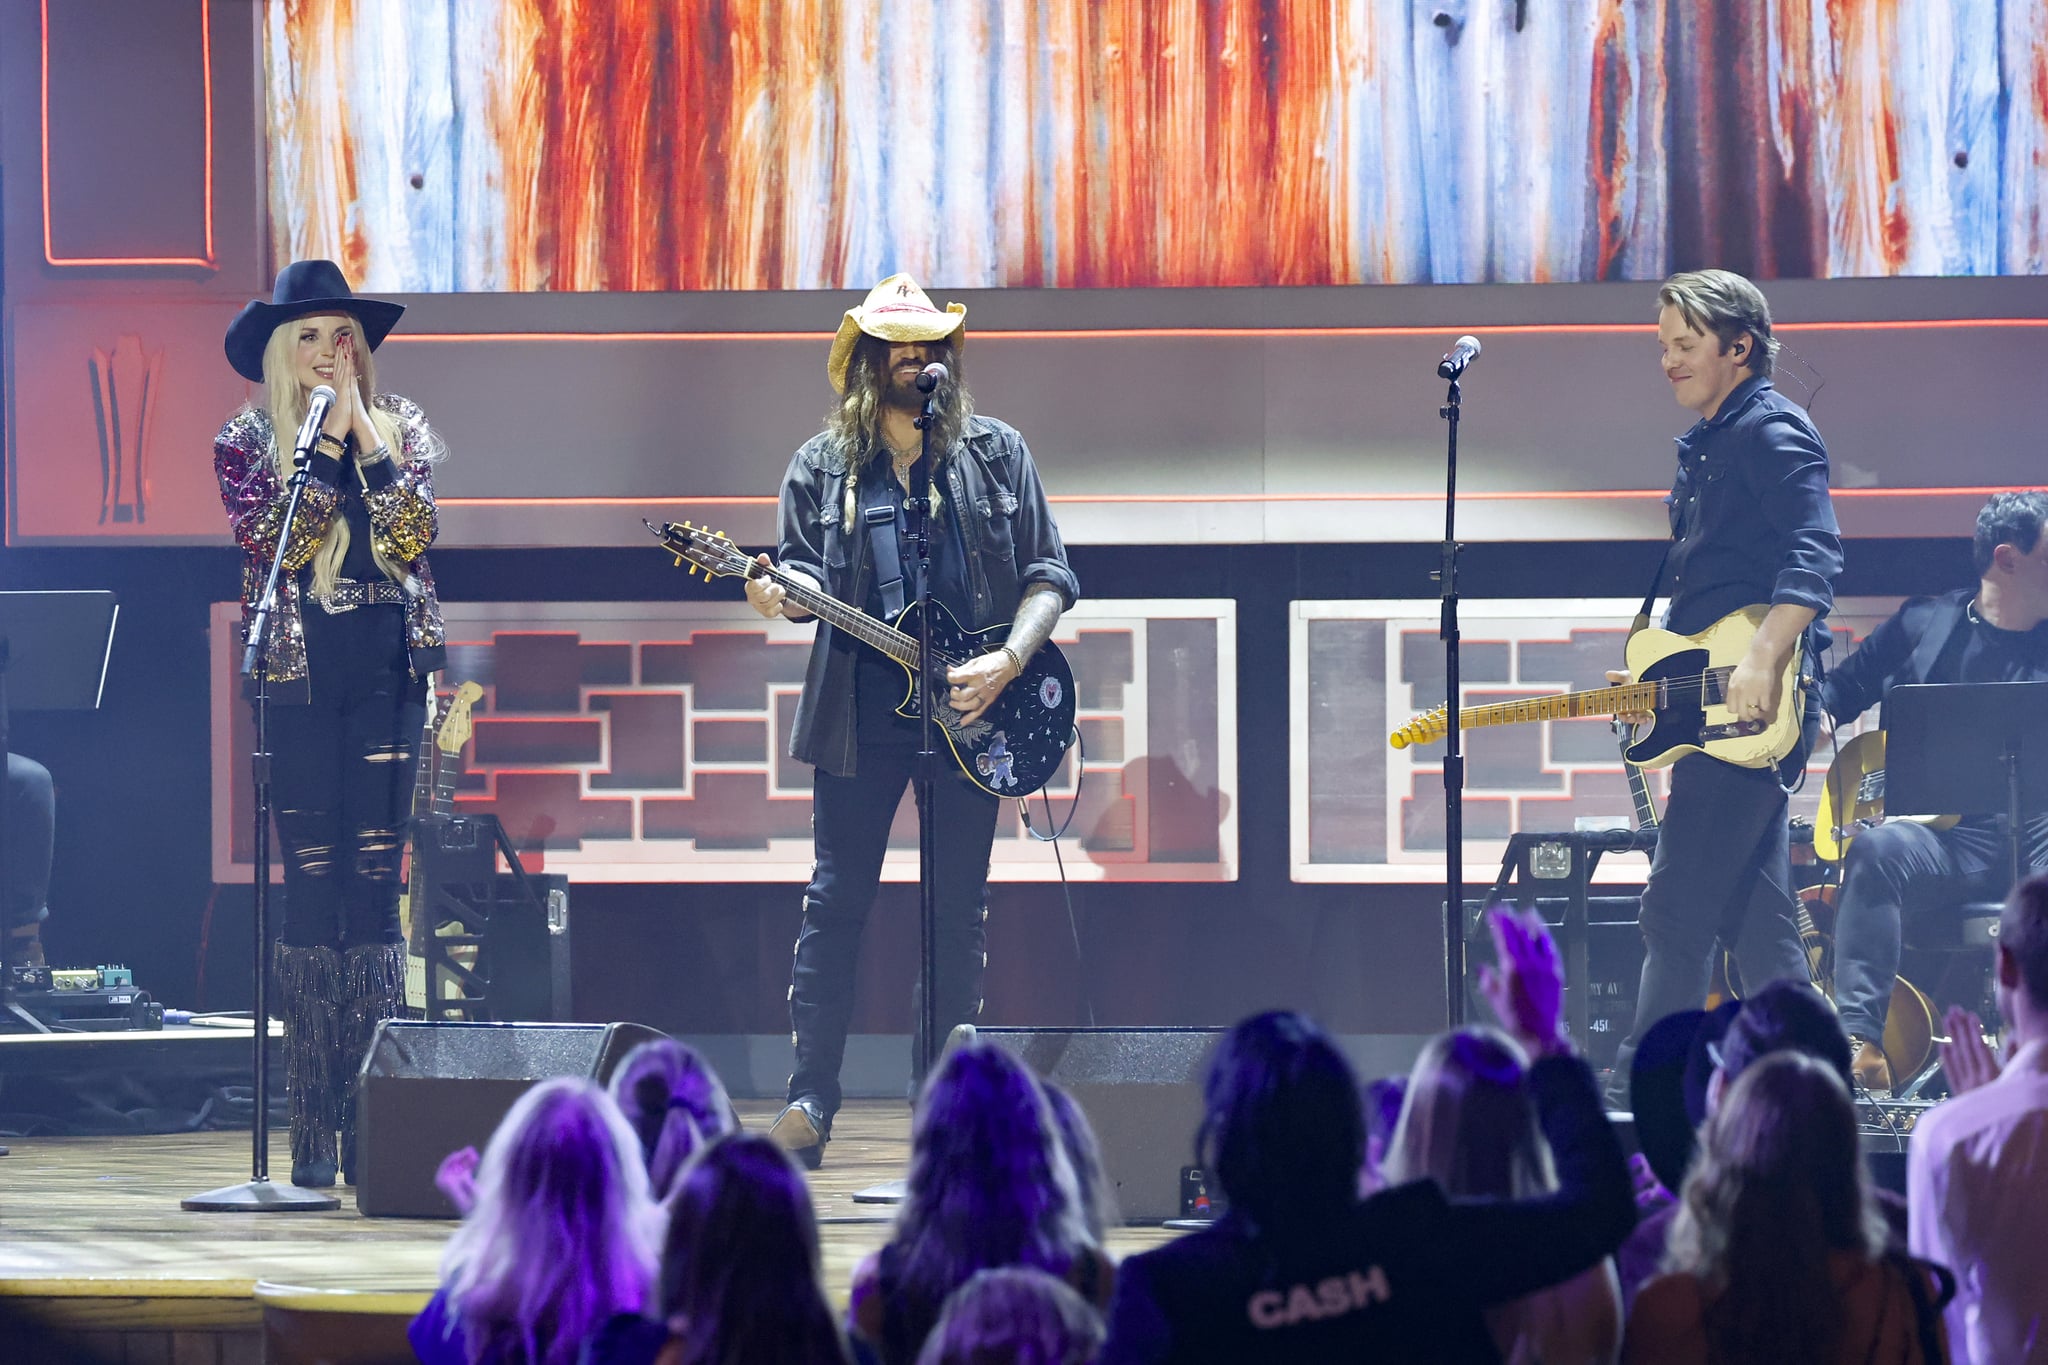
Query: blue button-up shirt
{"x": 1750, "y": 513}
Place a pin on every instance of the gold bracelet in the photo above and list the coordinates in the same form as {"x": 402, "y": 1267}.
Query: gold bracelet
{"x": 329, "y": 438}
{"x": 1015, "y": 663}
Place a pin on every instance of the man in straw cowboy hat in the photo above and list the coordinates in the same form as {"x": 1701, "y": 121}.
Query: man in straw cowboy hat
{"x": 996, "y": 556}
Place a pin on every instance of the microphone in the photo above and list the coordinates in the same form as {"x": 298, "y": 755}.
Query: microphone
{"x": 309, "y": 430}
{"x": 1463, "y": 352}
{"x": 931, "y": 376}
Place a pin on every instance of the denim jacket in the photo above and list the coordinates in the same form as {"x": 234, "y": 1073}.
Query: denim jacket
{"x": 1012, "y": 543}
{"x": 1750, "y": 514}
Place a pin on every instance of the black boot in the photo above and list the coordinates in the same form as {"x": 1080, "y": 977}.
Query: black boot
{"x": 374, "y": 982}
{"x": 309, "y": 990}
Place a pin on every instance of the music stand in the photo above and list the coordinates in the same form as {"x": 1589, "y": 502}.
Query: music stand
{"x": 1969, "y": 749}
{"x": 54, "y": 648}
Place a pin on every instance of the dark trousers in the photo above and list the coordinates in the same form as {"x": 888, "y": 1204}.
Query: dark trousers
{"x": 342, "y": 770}
{"x": 31, "y": 842}
{"x": 850, "y": 821}
{"x": 1722, "y": 873}
{"x": 1901, "y": 869}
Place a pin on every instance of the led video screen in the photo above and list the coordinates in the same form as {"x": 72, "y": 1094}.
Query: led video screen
{"x": 528, "y": 145}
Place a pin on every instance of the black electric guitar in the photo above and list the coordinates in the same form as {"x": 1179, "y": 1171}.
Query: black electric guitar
{"x": 1681, "y": 682}
{"x": 1012, "y": 749}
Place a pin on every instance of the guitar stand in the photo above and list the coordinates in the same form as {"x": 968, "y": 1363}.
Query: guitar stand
{"x": 455, "y": 880}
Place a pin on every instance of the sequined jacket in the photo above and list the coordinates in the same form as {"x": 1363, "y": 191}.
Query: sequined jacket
{"x": 400, "y": 500}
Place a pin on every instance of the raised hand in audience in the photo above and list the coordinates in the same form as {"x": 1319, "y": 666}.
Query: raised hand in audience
{"x": 1525, "y": 982}
{"x": 1965, "y": 1056}
{"x": 456, "y": 1178}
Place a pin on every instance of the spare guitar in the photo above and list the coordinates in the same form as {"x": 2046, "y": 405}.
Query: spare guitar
{"x": 1012, "y": 749}
{"x": 1680, "y": 681}
{"x": 1852, "y": 798}
{"x": 450, "y": 739}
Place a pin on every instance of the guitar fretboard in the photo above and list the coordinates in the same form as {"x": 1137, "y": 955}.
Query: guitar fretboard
{"x": 1621, "y": 699}
{"x": 895, "y": 643}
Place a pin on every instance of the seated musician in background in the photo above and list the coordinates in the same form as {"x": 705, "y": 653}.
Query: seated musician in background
{"x": 1987, "y": 634}
{"x": 31, "y": 832}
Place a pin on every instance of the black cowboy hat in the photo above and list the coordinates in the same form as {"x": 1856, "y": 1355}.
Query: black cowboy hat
{"x": 303, "y": 288}
{"x": 1668, "y": 1086}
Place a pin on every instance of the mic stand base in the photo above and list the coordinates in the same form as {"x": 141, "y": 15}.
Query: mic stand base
{"x": 260, "y": 1196}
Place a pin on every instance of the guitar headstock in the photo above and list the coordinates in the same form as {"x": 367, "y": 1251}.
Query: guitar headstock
{"x": 456, "y": 726}
{"x": 711, "y": 551}
{"x": 1426, "y": 728}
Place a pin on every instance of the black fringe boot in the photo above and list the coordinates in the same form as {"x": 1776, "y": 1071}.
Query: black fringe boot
{"x": 375, "y": 981}
{"x": 309, "y": 992}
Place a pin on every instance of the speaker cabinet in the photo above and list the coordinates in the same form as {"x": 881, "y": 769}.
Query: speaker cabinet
{"x": 430, "y": 1089}
{"x": 1141, "y": 1089}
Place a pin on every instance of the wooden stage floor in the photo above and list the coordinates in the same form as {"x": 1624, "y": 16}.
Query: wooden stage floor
{"x": 92, "y": 1238}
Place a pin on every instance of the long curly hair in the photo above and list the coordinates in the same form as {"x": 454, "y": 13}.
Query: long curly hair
{"x": 989, "y": 1185}
{"x": 856, "y": 421}
{"x": 1779, "y": 1185}
{"x": 562, "y": 1235}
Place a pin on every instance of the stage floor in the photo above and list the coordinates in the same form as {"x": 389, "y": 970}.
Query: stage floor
{"x": 92, "y": 1238}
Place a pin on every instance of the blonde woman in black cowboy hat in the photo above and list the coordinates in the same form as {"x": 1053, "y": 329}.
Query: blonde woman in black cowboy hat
{"x": 356, "y": 633}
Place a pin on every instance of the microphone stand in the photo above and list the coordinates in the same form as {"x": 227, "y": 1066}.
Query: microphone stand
{"x": 1446, "y": 576}
{"x": 258, "y": 1194}
{"x": 929, "y": 692}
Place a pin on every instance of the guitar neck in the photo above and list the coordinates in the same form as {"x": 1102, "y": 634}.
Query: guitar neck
{"x": 423, "y": 778}
{"x": 1618, "y": 700}
{"x": 445, "y": 778}
{"x": 837, "y": 614}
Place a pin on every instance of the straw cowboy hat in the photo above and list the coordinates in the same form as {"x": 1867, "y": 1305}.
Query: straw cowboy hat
{"x": 896, "y": 310}
{"x": 303, "y": 288}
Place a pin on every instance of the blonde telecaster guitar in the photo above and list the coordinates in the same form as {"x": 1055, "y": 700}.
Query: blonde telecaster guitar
{"x": 1680, "y": 681}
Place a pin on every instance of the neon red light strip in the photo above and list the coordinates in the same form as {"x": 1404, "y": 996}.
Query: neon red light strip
{"x": 206, "y": 100}
{"x": 1131, "y": 333}
{"x": 1509, "y": 495}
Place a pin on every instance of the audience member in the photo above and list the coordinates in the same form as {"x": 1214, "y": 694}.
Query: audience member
{"x": 1014, "y": 1315}
{"x": 561, "y": 1237}
{"x": 1084, "y": 1154}
{"x": 740, "y": 1275}
{"x": 1469, "y": 1126}
{"x": 1977, "y": 1177}
{"x": 1382, "y": 1101}
{"x": 675, "y": 1104}
{"x": 1684, "y": 1068}
{"x": 1301, "y": 1268}
{"x": 1777, "y": 1252}
{"x": 989, "y": 1185}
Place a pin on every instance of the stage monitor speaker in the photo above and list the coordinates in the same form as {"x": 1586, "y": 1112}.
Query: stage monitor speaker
{"x": 1141, "y": 1089}
{"x": 431, "y": 1089}
{"x": 1614, "y": 964}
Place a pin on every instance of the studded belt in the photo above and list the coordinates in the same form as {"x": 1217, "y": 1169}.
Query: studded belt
{"x": 349, "y": 594}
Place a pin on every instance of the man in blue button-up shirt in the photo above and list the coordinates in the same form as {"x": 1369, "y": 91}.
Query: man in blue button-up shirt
{"x": 1751, "y": 524}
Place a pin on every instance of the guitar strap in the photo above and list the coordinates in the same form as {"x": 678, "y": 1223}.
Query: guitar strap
{"x": 886, "y": 550}
{"x": 1947, "y": 616}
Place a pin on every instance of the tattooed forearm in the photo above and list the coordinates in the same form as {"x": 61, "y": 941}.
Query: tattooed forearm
{"x": 1037, "y": 614}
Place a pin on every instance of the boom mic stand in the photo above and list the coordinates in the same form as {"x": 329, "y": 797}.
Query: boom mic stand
{"x": 1452, "y": 369}
{"x": 258, "y": 1194}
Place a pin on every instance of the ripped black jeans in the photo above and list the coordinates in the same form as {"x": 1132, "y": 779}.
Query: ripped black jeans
{"x": 342, "y": 771}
